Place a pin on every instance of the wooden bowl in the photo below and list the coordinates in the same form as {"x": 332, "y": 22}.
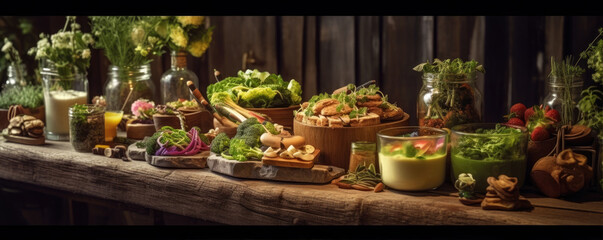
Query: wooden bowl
{"x": 139, "y": 130}
{"x": 335, "y": 143}
{"x": 282, "y": 116}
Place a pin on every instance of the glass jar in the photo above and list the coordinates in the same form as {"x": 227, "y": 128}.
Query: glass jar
{"x": 449, "y": 100}
{"x": 173, "y": 81}
{"x": 412, "y": 158}
{"x": 362, "y": 153}
{"x": 15, "y": 76}
{"x": 126, "y": 85}
{"x": 61, "y": 91}
{"x": 564, "y": 97}
{"x": 488, "y": 150}
{"x": 86, "y": 126}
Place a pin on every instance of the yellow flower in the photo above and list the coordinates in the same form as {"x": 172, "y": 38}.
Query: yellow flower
{"x": 197, "y": 48}
{"x": 190, "y": 20}
{"x": 178, "y": 37}
{"x": 162, "y": 29}
{"x": 138, "y": 35}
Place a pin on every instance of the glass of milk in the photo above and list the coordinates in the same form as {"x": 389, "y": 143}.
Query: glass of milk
{"x": 60, "y": 93}
{"x": 412, "y": 158}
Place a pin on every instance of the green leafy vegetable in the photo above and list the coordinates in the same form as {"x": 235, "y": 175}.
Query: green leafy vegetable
{"x": 271, "y": 128}
{"x": 499, "y": 143}
{"x": 240, "y": 151}
{"x": 220, "y": 143}
{"x": 255, "y": 89}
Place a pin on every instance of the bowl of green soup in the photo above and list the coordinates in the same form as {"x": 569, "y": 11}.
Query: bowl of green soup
{"x": 488, "y": 150}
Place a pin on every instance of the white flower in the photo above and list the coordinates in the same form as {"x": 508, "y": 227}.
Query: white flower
{"x": 86, "y": 53}
{"x": 7, "y": 46}
{"x": 75, "y": 26}
{"x": 87, "y": 38}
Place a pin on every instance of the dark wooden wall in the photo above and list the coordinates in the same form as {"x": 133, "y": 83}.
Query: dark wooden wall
{"x": 327, "y": 52}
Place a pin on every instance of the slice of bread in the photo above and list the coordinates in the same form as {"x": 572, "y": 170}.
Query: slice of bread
{"x": 322, "y": 104}
{"x": 368, "y": 120}
{"x": 370, "y": 104}
{"x": 335, "y": 122}
{"x": 332, "y": 110}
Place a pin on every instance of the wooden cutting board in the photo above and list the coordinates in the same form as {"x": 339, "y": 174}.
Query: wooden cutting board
{"x": 290, "y": 162}
{"x": 25, "y": 140}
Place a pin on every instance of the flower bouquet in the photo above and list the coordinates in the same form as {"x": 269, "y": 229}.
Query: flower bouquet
{"x": 142, "y": 124}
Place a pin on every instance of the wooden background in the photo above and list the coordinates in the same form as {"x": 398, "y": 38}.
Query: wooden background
{"x": 327, "y": 52}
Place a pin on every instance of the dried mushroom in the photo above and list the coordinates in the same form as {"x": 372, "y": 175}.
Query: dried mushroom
{"x": 26, "y": 126}
{"x": 503, "y": 194}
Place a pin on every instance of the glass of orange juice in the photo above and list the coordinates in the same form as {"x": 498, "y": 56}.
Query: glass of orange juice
{"x": 112, "y": 119}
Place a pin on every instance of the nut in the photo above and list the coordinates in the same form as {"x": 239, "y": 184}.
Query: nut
{"x": 379, "y": 187}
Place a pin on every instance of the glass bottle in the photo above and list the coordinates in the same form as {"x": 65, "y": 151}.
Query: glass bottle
{"x": 126, "y": 85}
{"x": 61, "y": 91}
{"x": 86, "y": 126}
{"x": 15, "y": 76}
{"x": 448, "y": 100}
{"x": 173, "y": 81}
{"x": 362, "y": 153}
{"x": 563, "y": 95}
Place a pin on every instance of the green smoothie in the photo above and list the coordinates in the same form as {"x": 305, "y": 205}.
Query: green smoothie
{"x": 482, "y": 169}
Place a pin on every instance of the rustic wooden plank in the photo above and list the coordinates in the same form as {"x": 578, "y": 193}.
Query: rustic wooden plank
{"x": 217, "y": 198}
{"x": 310, "y": 63}
{"x": 526, "y": 48}
{"x": 554, "y": 28}
{"x": 336, "y": 65}
{"x": 290, "y": 51}
{"x": 237, "y": 35}
{"x": 368, "y": 49}
{"x": 453, "y": 38}
{"x": 195, "y": 161}
{"x": 496, "y": 64}
{"x": 402, "y": 36}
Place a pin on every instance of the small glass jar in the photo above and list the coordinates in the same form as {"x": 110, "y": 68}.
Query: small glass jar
{"x": 126, "y": 85}
{"x": 362, "y": 153}
{"x": 173, "y": 81}
{"x": 565, "y": 99}
{"x": 448, "y": 100}
{"x": 61, "y": 90}
{"x": 412, "y": 158}
{"x": 15, "y": 76}
{"x": 86, "y": 126}
{"x": 476, "y": 149}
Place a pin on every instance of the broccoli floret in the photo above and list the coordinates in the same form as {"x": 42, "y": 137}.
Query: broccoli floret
{"x": 240, "y": 151}
{"x": 244, "y": 125}
{"x": 150, "y": 143}
{"x": 220, "y": 143}
{"x": 271, "y": 128}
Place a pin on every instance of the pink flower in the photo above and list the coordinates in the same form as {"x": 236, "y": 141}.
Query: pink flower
{"x": 141, "y": 105}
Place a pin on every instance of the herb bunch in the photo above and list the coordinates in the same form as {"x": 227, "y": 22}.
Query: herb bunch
{"x": 452, "y": 101}
{"x": 12, "y": 55}
{"x": 590, "y": 105}
{"x": 569, "y": 73}
{"x": 128, "y": 41}
{"x": 28, "y": 96}
{"x": 364, "y": 176}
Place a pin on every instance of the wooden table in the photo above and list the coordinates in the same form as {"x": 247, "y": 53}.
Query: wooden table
{"x": 202, "y": 194}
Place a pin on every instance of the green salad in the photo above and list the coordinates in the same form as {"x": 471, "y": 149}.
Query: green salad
{"x": 502, "y": 142}
{"x": 255, "y": 89}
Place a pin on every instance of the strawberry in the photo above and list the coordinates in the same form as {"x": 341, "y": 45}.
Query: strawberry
{"x": 528, "y": 113}
{"x": 540, "y": 134}
{"x": 553, "y": 115}
{"x": 518, "y": 109}
{"x": 516, "y": 121}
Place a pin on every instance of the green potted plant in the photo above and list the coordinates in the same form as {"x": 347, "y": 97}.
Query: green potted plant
{"x": 29, "y": 97}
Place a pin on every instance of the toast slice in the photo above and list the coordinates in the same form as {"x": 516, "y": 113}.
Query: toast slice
{"x": 368, "y": 120}
{"x": 322, "y": 104}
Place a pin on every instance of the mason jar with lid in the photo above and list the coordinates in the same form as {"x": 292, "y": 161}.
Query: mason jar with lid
{"x": 362, "y": 153}
{"x": 563, "y": 94}
{"x": 126, "y": 85}
{"x": 15, "y": 76}
{"x": 448, "y": 100}
{"x": 86, "y": 126}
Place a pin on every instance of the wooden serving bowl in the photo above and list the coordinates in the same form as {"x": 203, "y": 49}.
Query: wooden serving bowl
{"x": 282, "y": 116}
{"x": 139, "y": 130}
{"x": 335, "y": 143}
